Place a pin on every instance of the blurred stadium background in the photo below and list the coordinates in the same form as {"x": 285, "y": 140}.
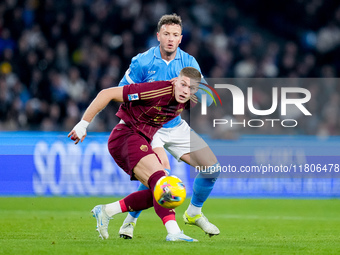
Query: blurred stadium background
{"x": 55, "y": 56}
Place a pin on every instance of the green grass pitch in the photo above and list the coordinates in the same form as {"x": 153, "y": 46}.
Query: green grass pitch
{"x": 57, "y": 225}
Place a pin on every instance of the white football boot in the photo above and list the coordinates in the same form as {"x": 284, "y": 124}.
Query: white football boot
{"x": 202, "y": 222}
{"x": 102, "y": 221}
{"x": 179, "y": 237}
{"x": 126, "y": 230}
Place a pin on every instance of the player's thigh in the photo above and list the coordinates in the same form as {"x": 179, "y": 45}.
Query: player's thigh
{"x": 146, "y": 167}
{"x": 128, "y": 148}
{"x": 162, "y": 156}
{"x": 202, "y": 157}
{"x": 157, "y": 144}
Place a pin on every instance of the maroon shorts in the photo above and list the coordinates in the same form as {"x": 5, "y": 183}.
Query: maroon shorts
{"x": 128, "y": 147}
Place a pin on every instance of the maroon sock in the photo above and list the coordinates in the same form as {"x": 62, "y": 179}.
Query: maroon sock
{"x": 143, "y": 199}
{"x": 163, "y": 213}
{"x": 154, "y": 178}
{"x": 136, "y": 201}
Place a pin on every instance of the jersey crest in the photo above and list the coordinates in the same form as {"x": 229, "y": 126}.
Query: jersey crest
{"x": 144, "y": 148}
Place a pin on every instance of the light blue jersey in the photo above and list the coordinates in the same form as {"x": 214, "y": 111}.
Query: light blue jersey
{"x": 149, "y": 66}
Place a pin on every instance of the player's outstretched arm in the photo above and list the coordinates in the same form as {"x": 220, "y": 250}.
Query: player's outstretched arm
{"x": 103, "y": 98}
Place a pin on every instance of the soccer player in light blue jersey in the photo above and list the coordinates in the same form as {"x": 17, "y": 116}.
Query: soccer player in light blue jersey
{"x": 164, "y": 62}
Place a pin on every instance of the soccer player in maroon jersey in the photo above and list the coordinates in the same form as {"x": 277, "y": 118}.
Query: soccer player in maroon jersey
{"x": 164, "y": 62}
{"x": 146, "y": 108}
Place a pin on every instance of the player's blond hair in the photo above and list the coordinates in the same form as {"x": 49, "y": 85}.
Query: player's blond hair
{"x": 191, "y": 73}
{"x": 169, "y": 19}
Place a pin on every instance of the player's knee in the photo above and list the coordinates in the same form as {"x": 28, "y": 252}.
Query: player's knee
{"x": 166, "y": 164}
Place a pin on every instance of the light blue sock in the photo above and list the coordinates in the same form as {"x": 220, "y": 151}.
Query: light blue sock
{"x": 203, "y": 185}
{"x": 143, "y": 187}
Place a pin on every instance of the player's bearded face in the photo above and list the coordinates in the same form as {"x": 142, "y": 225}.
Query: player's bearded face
{"x": 184, "y": 88}
{"x": 169, "y": 37}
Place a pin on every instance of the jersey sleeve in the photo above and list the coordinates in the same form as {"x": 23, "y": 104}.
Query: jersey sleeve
{"x": 131, "y": 92}
{"x": 134, "y": 74}
{"x": 194, "y": 64}
{"x": 146, "y": 91}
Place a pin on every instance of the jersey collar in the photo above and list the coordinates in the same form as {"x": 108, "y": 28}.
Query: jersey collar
{"x": 158, "y": 53}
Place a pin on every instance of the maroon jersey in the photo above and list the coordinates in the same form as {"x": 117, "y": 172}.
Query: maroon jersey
{"x": 149, "y": 105}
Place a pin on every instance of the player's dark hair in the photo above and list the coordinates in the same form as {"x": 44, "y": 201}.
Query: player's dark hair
{"x": 191, "y": 73}
{"x": 169, "y": 19}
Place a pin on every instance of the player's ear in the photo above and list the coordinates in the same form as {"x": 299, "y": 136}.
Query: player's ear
{"x": 158, "y": 37}
{"x": 180, "y": 39}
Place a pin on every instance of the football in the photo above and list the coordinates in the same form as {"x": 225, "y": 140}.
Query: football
{"x": 169, "y": 192}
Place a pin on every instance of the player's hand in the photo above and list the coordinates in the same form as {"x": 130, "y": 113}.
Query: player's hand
{"x": 78, "y": 133}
